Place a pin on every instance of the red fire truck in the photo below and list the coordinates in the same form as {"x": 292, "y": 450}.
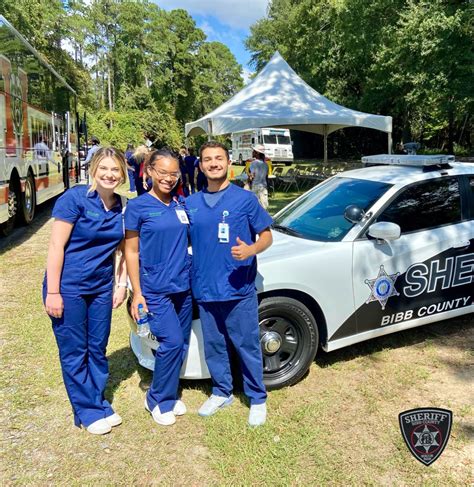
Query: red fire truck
{"x": 38, "y": 130}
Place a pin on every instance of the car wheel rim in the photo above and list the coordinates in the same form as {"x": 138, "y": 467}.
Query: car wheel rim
{"x": 279, "y": 339}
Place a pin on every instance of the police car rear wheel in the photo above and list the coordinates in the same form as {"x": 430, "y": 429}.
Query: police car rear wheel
{"x": 289, "y": 339}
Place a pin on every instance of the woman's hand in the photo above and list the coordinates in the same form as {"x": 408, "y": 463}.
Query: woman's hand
{"x": 54, "y": 305}
{"x": 138, "y": 299}
{"x": 120, "y": 295}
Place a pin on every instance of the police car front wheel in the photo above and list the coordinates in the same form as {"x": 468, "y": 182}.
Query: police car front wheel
{"x": 289, "y": 339}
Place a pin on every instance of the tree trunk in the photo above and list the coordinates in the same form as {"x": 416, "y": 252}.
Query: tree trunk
{"x": 109, "y": 90}
{"x": 450, "y": 128}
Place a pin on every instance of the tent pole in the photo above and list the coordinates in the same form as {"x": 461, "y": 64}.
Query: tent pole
{"x": 325, "y": 135}
{"x": 389, "y": 142}
{"x": 209, "y": 130}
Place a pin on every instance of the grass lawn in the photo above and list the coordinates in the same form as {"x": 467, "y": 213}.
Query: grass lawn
{"x": 338, "y": 426}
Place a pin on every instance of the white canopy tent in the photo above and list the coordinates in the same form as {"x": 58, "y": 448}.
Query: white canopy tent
{"x": 278, "y": 97}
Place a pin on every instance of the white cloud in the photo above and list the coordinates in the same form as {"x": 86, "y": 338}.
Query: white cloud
{"x": 237, "y": 14}
{"x": 246, "y": 74}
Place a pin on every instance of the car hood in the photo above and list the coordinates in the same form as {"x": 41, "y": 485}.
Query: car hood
{"x": 286, "y": 246}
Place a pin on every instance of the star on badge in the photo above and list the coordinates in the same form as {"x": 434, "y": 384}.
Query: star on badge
{"x": 426, "y": 438}
{"x": 382, "y": 287}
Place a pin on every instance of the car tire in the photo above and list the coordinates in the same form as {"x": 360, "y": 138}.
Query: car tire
{"x": 289, "y": 338}
{"x": 28, "y": 200}
{"x": 13, "y": 201}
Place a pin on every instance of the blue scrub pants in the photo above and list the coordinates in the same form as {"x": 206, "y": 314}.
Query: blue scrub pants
{"x": 233, "y": 321}
{"x": 82, "y": 334}
{"x": 131, "y": 178}
{"x": 171, "y": 324}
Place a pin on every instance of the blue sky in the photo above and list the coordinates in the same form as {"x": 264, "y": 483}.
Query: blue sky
{"x": 226, "y": 21}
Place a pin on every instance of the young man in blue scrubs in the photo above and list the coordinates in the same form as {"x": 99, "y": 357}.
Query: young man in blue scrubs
{"x": 225, "y": 221}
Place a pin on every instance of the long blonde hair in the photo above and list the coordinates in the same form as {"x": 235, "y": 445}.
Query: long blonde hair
{"x": 140, "y": 153}
{"x": 99, "y": 156}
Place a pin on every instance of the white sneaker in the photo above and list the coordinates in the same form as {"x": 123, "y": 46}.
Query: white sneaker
{"x": 214, "y": 403}
{"x": 179, "y": 408}
{"x": 114, "y": 419}
{"x": 99, "y": 427}
{"x": 258, "y": 414}
{"x": 164, "y": 419}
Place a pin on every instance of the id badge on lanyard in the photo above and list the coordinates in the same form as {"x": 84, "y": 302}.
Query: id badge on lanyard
{"x": 180, "y": 213}
{"x": 223, "y": 229}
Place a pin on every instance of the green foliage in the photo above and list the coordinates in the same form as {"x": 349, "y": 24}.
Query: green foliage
{"x": 118, "y": 128}
{"x": 411, "y": 59}
{"x": 139, "y": 71}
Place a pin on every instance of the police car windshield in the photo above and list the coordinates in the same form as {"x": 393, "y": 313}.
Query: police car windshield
{"x": 319, "y": 215}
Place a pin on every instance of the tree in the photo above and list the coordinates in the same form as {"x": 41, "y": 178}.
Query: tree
{"x": 139, "y": 71}
{"x": 406, "y": 58}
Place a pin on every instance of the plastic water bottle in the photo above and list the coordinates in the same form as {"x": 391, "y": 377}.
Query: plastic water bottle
{"x": 143, "y": 328}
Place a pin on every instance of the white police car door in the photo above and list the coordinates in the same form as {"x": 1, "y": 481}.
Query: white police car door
{"x": 427, "y": 273}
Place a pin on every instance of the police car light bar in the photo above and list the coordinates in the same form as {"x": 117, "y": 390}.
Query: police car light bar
{"x": 406, "y": 160}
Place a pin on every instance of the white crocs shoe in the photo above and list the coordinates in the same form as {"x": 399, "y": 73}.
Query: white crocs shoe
{"x": 99, "y": 427}
{"x": 164, "y": 419}
{"x": 258, "y": 414}
{"x": 179, "y": 408}
{"x": 114, "y": 419}
{"x": 214, "y": 403}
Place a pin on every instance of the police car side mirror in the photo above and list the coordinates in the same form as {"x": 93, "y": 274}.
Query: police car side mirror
{"x": 384, "y": 231}
{"x": 354, "y": 214}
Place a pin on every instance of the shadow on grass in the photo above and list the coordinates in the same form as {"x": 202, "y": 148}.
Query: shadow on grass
{"x": 442, "y": 334}
{"x": 21, "y": 234}
{"x": 123, "y": 364}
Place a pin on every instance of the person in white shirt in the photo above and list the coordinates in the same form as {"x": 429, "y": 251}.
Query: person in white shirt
{"x": 95, "y": 147}
{"x": 259, "y": 174}
{"x": 41, "y": 149}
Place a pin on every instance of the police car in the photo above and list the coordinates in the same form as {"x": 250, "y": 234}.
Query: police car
{"x": 365, "y": 253}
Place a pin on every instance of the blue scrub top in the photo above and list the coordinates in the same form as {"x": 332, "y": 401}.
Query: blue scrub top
{"x": 88, "y": 255}
{"x": 216, "y": 275}
{"x": 163, "y": 244}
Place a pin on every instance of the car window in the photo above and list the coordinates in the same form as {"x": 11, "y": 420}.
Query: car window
{"x": 425, "y": 205}
{"x": 319, "y": 214}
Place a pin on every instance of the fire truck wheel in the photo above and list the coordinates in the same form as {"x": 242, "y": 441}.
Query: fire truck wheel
{"x": 13, "y": 202}
{"x": 28, "y": 200}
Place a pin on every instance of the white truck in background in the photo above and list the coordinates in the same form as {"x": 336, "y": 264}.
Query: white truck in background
{"x": 277, "y": 143}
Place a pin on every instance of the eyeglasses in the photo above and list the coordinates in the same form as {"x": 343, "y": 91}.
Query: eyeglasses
{"x": 163, "y": 174}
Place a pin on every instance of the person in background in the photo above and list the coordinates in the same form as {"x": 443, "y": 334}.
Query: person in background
{"x": 201, "y": 180}
{"x": 136, "y": 161}
{"x": 41, "y": 149}
{"x": 190, "y": 163}
{"x": 225, "y": 221}
{"x": 95, "y": 146}
{"x": 129, "y": 151}
{"x": 259, "y": 174}
{"x": 183, "y": 152}
{"x": 130, "y": 168}
{"x": 156, "y": 249}
{"x": 79, "y": 288}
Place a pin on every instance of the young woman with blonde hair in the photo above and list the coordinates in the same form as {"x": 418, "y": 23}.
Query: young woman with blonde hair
{"x": 79, "y": 291}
